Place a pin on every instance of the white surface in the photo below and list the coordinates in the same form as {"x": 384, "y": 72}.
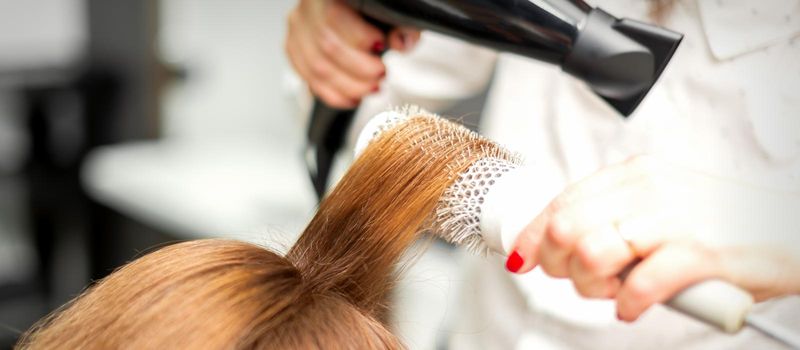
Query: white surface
{"x": 229, "y": 163}
{"x": 427, "y": 295}
{"x": 41, "y": 33}
{"x": 231, "y": 187}
{"x": 737, "y": 27}
{"x": 233, "y": 51}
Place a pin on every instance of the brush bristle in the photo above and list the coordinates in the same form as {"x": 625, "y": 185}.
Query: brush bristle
{"x": 459, "y": 211}
{"x": 479, "y": 163}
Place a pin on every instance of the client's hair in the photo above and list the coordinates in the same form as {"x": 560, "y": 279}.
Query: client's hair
{"x": 330, "y": 289}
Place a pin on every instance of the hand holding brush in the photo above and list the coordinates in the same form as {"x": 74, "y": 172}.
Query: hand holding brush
{"x": 616, "y": 234}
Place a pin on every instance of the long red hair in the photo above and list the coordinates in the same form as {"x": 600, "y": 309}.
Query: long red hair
{"x": 328, "y": 292}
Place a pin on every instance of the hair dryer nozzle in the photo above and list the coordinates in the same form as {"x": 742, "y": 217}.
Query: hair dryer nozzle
{"x": 620, "y": 59}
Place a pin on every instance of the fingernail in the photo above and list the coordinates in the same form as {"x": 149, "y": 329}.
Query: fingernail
{"x": 514, "y": 262}
{"x": 619, "y": 317}
{"x": 376, "y": 88}
{"x": 378, "y": 47}
{"x": 383, "y": 74}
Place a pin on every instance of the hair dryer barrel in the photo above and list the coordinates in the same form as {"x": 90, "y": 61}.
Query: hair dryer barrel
{"x": 620, "y": 59}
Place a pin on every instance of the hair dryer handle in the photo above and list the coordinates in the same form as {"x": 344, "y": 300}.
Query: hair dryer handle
{"x": 327, "y": 128}
{"x": 326, "y": 131}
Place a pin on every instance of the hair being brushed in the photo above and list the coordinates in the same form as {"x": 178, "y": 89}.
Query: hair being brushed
{"x": 329, "y": 291}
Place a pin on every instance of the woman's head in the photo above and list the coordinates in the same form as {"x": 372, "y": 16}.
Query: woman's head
{"x": 209, "y": 294}
{"x": 330, "y": 289}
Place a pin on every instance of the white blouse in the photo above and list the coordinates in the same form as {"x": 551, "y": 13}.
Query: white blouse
{"x": 728, "y": 104}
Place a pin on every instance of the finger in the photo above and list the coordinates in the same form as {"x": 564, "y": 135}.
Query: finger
{"x": 529, "y": 249}
{"x": 325, "y": 77}
{"x": 590, "y": 285}
{"x": 628, "y": 218}
{"x": 595, "y": 215}
{"x": 608, "y": 178}
{"x": 332, "y": 97}
{"x": 525, "y": 252}
{"x": 403, "y": 39}
{"x": 648, "y": 230}
{"x": 326, "y": 74}
{"x": 546, "y": 241}
{"x": 550, "y": 239}
{"x": 605, "y": 209}
{"x": 291, "y": 46}
{"x": 327, "y": 94}
{"x": 600, "y": 255}
{"x": 670, "y": 269}
{"x": 597, "y": 260}
{"x": 764, "y": 271}
{"x": 556, "y": 247}
{"x": 354, "y": 29}
{"x": 359, "y": 64}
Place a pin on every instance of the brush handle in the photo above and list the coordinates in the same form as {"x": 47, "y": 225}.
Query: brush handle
{"x": 715, "y": 302}
{"x": 507, "y": 209}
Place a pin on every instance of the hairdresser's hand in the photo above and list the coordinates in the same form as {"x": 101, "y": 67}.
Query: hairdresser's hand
{"x": 337, "y": 52}
{"x": 684, "y": 226}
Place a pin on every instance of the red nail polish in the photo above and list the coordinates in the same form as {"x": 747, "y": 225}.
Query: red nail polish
{"x": 378, "y": 47}
{"x": 514, "y": 262}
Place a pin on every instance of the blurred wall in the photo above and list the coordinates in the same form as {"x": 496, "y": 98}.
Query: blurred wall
{"x": 36, "y": 33}
{"x": 232, "y": 51}
{"x": 232, "y": 54}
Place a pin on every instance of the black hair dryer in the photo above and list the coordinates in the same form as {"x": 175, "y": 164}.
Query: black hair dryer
{"x": 619, "y": 59}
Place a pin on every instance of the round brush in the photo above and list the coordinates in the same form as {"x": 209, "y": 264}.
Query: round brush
{"x": 487, "y": 205}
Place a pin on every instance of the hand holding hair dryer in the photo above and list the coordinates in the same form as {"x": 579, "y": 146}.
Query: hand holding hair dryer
{"x": 619, "y": 59}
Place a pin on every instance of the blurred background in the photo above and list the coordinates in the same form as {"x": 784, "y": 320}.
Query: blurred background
{"x": 126, "y": 125}
{"x": 129, "y": 124}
